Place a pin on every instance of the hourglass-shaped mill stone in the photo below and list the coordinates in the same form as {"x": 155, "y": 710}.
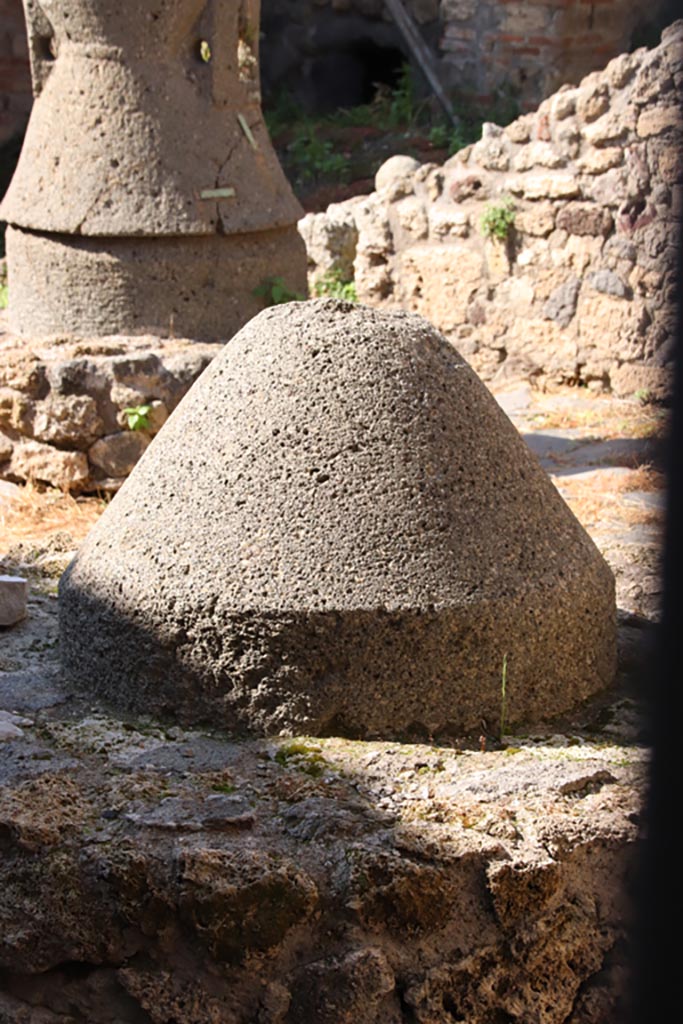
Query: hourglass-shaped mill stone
{"x": 148, "y": 196}
{"x": 339, "y": 530}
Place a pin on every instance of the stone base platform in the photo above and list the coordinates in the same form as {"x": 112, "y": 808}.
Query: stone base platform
{"x": 202, "y": 287}
{"x": 154, "y": 874}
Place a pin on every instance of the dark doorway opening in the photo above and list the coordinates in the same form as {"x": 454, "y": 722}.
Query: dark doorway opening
{"x": 351, "y": 75}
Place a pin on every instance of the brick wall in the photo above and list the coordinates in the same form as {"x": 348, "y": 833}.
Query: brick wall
{"x": 535, "y": 45}
{"x": 15, "y": 77}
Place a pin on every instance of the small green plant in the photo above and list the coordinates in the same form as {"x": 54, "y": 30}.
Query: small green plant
{"x": 503, "y": 697}
{"x": 445, "y": 136}
{"x": 223, "y": 787}
{"x": 274, "y": 291}
{"x": 205, "y": 51}
{"x": 334, "y": 286}
{"x": 497, "y": 221}
{"x": 306, "y": 757}
{"x": 4, "y": 296}
{"x": 313, "y": 157}
{"x": 439, "y": 135}
{"x": 137, "y": 417}
{"x": 284, "y": 113}
{"x": 403, "y": 110}
{"x": 642, "y": 395}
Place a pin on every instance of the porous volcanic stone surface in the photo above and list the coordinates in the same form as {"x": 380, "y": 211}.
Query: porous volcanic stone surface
{"x": 131, "y": 128}
{"x": 199, "y": 287}
{"x": 339, "y": 531}
{"x": 148, "y": 197}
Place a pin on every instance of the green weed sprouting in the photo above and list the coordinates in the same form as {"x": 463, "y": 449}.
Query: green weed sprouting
{"x": 274, "y": 291}
{"x": 314, "y": 157}
{"x": 333, "y": 285}
{"x": 137, "y": 417}
{"x": 498, "y": 220}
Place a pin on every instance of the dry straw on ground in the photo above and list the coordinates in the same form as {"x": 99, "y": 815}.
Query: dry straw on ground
{"x": 35, "y": 514}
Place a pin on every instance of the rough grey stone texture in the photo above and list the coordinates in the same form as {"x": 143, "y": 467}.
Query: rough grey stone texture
{"x": 148, "y": 196}
{"x": 130, "y": 125}
{"x": 561, "y": 305}
{"x": 609, "y": 283}
{"x": 201, "y": 288}
{"x": 338, "y": 530}
{"x": 13, "y": 596}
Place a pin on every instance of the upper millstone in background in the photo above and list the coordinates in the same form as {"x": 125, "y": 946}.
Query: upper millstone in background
{"x": 338, "y": 530}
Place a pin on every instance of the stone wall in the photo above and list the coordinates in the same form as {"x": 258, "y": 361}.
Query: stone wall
{"x": 15, "y": 77}
{"x": 528, "y": 46}
{"x": 582, "y": 288}
{"x": 62, "y": 406}
{"x": 581, "y": 291}
{"x": 532, "y": 45}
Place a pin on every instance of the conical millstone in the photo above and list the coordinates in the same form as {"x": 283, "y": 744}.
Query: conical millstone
{"x": 339, "y": 530}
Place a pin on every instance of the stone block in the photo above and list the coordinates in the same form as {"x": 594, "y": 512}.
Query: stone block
{"x": 13, "y": 598}
{"x": 468, "y": 185}
{"x": 411, "y": 218}
{"x": 395, "y": 177}
{"x": 612, "y": 328}
{"x": 628, "y": 378}
{"x": 564, "y": 104}
{"x": 537, "y": 154}
{"x": 561, "y": 304}
{"x": 32, "y": 460}
{"x": 545, "y": 186}
{"x": 116, "y": 454}
{"x": 520, "y": 130}
{"x": 448, "y": 221}
{"x": 620, "y": 70}
{"x": 609, "y": 283}
{"x": 439, "y": 281}
{"x": 70, "y": 420}
{"x": 330, "y": 238}
{"x": 492, "y": 152}
{"x": 593, "y": 102}
{"x": 585, "y": 219}
{"x": 658, "y": 120}
{"x": 538, "y": 221}
{"x": 597, "y": 161}
{"x": 611, "y": 129}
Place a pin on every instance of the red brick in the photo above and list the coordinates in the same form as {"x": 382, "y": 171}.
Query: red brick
{"x": 547, "y": 41}
{"x": 542, "y": 3}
